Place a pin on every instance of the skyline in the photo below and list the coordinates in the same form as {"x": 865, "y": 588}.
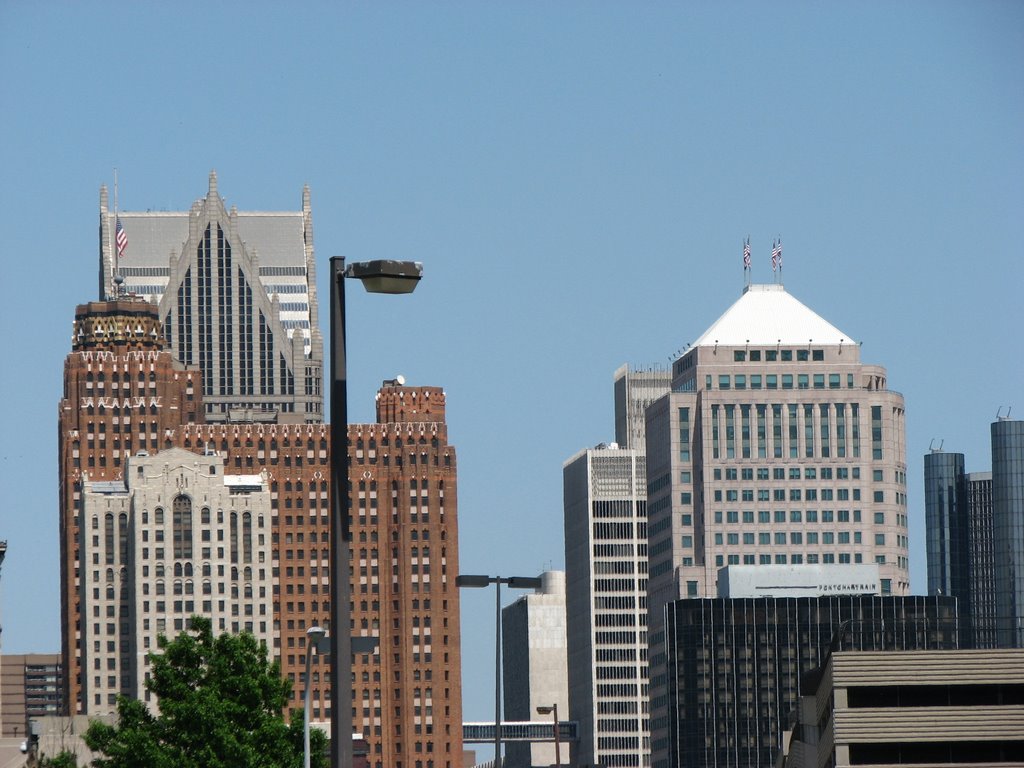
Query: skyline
{"x": 578, "y": 182}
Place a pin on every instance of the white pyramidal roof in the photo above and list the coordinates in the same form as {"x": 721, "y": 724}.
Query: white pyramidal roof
{"x": 767, "y": 315}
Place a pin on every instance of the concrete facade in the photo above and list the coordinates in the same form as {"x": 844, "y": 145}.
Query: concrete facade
{"x": 30, "y": 688}
{"x": 604, "y": 492}
{"x": 890, "y": 708}
{"x": 534, "y": 665}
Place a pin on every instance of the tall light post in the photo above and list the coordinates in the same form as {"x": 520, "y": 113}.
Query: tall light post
{"x": 314, "y": 642}
{"x": 377, "y": 277}
{"x": 553, "y": 711}
{"x": 514, "y": 582}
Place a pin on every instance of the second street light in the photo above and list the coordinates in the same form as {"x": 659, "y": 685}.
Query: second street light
{"x": 553, "y": 711}
{"x": 377, "y": 277}
{"x": 315, "y": 641}
{"x": 514, "y": 582}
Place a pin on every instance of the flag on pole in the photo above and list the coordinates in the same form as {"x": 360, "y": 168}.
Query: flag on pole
{"x": 122, "y": 238}
{"x": 776, "y": 254}
{"x": 746, "y": 254}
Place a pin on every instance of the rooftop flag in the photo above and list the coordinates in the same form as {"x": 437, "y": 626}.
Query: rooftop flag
{"x": 122, "y": 239}
{"x": 776, "y": 255}
{"x": 746, "y": 254}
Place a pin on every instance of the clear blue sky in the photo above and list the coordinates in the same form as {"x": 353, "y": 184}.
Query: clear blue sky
{"x": 577, "y": 179}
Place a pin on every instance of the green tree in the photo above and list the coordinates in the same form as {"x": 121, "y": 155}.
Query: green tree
{"x": 64, "y": 759}
{"x": 221, "y": 702}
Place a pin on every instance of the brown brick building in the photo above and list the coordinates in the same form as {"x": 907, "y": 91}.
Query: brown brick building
{"x": 123, "y": 393}
{"x": 407, "y": 695}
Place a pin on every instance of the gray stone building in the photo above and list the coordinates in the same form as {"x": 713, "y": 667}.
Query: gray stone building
{"x": 534, "y": 666}
{"x": 176, "y": 537}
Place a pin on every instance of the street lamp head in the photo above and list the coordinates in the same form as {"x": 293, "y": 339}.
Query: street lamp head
{"x": 473, "y": 581}
{"x": 545, "y": 710}
{"x": 386, "y": 275}
{"x": 524, "y": 582}
{"x": 315, "y": 635}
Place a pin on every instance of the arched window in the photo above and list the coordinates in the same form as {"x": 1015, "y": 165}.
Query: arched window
{"x": 182, "y": 527}
{"x": 247, "y": 537}
{"x": 234, "y": 537}
{"x": 108, "y": 538}
{"x": 205, "y": 516}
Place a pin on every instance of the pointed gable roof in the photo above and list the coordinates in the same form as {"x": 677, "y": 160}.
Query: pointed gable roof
{"x": 767, "y": 315}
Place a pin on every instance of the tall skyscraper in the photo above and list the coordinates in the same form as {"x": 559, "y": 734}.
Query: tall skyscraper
{"x": 947, "y": 526}
{"x": 236, "y": 293}
{"x": 981, "y": 565}
{"x": 1008, "y": 530}
{"x": 776, "y": 445}
{"x": 606, "y": 594}
{"x": 534, "y": 665}
{"x": 975, "y": 528}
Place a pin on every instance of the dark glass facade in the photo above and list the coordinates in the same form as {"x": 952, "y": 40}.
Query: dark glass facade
{"x": 947, "y": 526}
{"x": 734, "y": 665}
{"x": 1008, "y": 529}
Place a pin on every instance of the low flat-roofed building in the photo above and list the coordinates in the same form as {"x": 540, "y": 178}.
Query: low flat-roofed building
{"x": 882, "y": 708}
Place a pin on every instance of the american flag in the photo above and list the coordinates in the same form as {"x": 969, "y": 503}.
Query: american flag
{"x": 776, "y": 255}
{"x": 122, "y": 238}
{"x": 746, "y": 254}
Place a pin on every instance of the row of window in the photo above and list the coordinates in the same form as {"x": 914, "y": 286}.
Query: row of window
{"x": 773, "y": 381}
{"x": 780, "y": 494}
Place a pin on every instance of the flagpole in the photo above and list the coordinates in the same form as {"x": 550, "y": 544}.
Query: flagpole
{"x": 117, "y": 266}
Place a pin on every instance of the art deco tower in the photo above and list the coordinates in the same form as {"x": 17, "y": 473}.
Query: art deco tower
{"x": 237, "y": 297}
{"x": 123, "y": 393}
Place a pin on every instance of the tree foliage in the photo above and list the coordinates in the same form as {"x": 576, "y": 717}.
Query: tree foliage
{"x": 221, "y": 702}
{"x": 64, "y": 759}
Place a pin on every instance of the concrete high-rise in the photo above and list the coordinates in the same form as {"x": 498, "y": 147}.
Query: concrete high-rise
{"x": 533, "y": 655}
{"x": 605, "y": 492}
{"x": 236, "y": 295}
{"x": 776, "y": 445}
{"x": 635, "y": 389}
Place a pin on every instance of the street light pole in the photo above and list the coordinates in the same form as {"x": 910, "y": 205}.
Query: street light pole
{"x": 314, "y": 636}
{"x": 553, "y": 711}
{"x": 514, "y": 582}
{"x": 382, "y": 276}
